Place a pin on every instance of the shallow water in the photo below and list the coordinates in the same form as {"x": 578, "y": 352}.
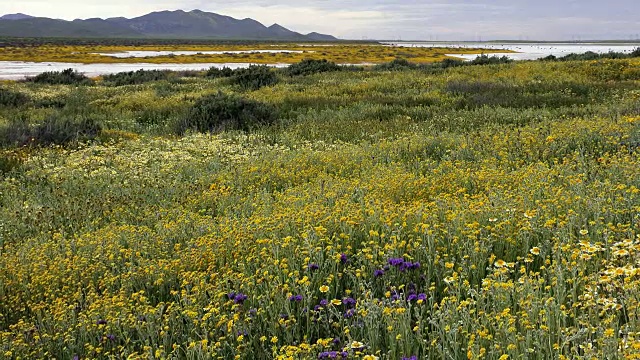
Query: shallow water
{"x": 526, "y": 51}
{"x": 142, "y": 54}
{"x": 16, "y": 70}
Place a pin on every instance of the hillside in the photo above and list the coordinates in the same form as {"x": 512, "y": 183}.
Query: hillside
{"x": 162, "y": 24}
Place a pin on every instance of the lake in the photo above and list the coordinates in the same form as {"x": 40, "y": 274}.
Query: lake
{"x": 525, "y": 51}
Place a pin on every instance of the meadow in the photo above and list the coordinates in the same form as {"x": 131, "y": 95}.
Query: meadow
{"x": 396, "y": 212}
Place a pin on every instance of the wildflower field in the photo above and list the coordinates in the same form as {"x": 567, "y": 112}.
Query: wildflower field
{"x": 476, "y": 212}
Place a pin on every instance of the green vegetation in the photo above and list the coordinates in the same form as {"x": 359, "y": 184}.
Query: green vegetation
{"x": 451, "y": 211}
{"x": 11, "y": 98}
{"x": 64, "y": 77}
{"x": 137, "y": 77}
{"x": 220, "y": 112}
{"x": 590, "y": 55}
{"x": 311, "y": 66}
{"x": 254, "y": 77}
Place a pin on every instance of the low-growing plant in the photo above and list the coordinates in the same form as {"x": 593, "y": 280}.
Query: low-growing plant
{"x": 8, "y": 162}
{"x": 311, "y": 66}
{"x": 215, "y": 72}
{"x": 137, "y": 77}
{"x": 254, "y": 77}
{"x": 395, "y": 65}
{"x": 64, "y": 77}
{"x": 490, "y": 60}
{"x": 11, "y": 98}
{"x": 56, "y": 129}
{"x": 220, "y": 112}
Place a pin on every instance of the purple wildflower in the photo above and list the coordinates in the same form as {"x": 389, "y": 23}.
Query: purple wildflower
{"x": 396, "y": 261}
{"x": 313, "y": 267}
{"x": 324, "y": 302}
{"x": 412, "y": 297}
{"x": 349, "y": 313}
{"x": 296, "y": 298}
{"x": 111, "y": 337}
{"x": 239, "y": 298}
{"x": 328, "y": 355}
{"x": 378, "y": 273}
{"x": 343, "y": 258}
{"x": 413, "y": 357}
{"x": 101, "y": 322}
{"x": 422, "y": 296}
{"x": 350, "y": 302}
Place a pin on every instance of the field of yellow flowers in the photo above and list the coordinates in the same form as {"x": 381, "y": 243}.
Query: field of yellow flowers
{"x": 481, "y": 212}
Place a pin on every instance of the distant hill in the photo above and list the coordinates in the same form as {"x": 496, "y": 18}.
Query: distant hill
{"x": 17, "y": 16}
{"x": 178, "y": 24}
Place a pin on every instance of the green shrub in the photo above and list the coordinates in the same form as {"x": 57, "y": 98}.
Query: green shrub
{"x": 137, "y": 77}
{"x": 215, "y": 72}
{"x": 8, "y": 162}
{"x": 221, "y": 112}
{"x": 490, "y": 60}
{"x": 56, "y": 129}
{"x": 254, "y": 77}
{"x": 395, "y": 65}
{"x": 65, "y": 77}
{"x": 309, "y": 67}
{"x": 12, "y": 98}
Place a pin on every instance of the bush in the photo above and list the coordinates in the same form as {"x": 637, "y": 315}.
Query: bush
{"x": 8, "y": 162}
{"x": 635, "y": 53}
{"x": 65, "y": 77}
{"x": 215, "y": 72}
{"x": 254, "y": 77}
{"x": 55, "y": 129}
{"x": 396, "y": 65}
{"x": 489, "y": 60}
{"x": 12, "y": 98}
{"x": 309, "y": 67}
{"x": 221, "y": 112}
{"x": 137, "y": 77}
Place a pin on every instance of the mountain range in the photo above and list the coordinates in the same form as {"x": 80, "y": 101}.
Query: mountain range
{"x": 177, "y": 24}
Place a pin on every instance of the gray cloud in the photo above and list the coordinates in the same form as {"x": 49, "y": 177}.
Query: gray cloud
{"x": 406, "y": 19}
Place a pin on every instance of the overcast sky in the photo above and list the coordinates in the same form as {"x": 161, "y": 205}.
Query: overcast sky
{"x": 391, "y": 19}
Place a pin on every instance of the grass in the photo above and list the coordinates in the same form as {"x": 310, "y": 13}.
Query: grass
{"x": 475, "y": 212}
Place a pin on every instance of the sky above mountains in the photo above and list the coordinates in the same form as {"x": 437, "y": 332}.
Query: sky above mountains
{"x": 395, "y": 19}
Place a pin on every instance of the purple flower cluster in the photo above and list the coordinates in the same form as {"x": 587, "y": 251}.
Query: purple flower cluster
{"x": 403, "y": 265}
{"x": 378, "y": 273}
{"x": 313, "y": 267}
{"x": 349, "y": 313}
{"x": 349, "y": 302}
{"x": 343, "y": 258}
{"x": 333, "y": 355}
{"x": 238, "y": 298}
{"x": 323, "y": 304}
{"x": 415, "y": 297}
{"x": 413, "y": 357}
{"x": 296, "y": 298}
